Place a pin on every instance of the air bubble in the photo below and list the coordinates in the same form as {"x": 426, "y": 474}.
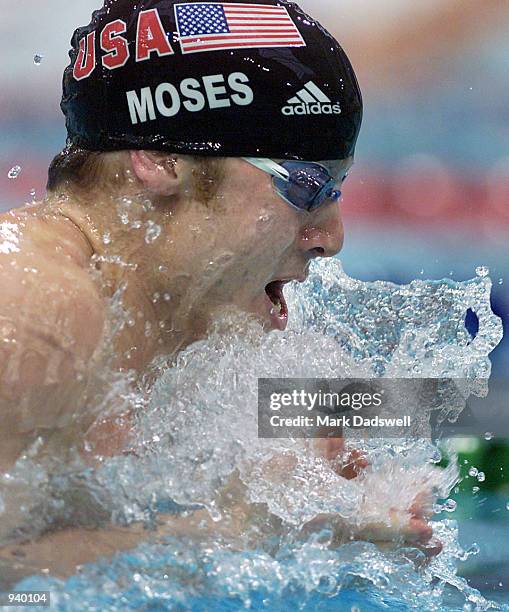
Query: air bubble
{"x": 482, "y": 271}
{"x": 488, "y": 435}
{"x": 107, "y": 238}
{"x": 38, "y": 59}
{"x": 481, "y": 477}
{"x": 473, "y": 471}
{"x": 14, "y": 172}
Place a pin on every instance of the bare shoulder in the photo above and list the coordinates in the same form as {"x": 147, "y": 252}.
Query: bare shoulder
{"x": 46, "y": 292}
{"x": 51, "y": 312}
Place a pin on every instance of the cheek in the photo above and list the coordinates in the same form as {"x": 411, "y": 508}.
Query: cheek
{"x": 258, "y": 221}
{"x": 267, "y": 235}
{"x": 279, "y": 225}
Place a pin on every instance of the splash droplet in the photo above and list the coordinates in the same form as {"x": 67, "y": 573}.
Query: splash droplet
{"x": 153, "y": 232}
{"x": 482, "y": 271}
{"x": 14, "y": 172}
{"x": 488, "y": 435}
{"x": 450, "y": 505}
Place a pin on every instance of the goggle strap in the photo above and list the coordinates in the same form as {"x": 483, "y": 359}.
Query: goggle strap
{"x": 270, "y": 166}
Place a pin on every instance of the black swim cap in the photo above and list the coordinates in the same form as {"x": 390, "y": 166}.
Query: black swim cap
{"x": 234, "y": 79}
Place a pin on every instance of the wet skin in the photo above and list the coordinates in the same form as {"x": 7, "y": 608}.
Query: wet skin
{"x": 54, "y": 317}
{"x": 53, "y": 313}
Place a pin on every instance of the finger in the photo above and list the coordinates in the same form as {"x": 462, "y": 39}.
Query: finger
{"x": 353, "y": 466}
{"x": 422, "y": 506}
{"x": 418, "y": 530}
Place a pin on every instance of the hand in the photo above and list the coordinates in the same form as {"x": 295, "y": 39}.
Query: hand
{"x": 348, "y": 464}
{"x": 410, "y": 527}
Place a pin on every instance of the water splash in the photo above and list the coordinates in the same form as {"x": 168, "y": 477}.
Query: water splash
{"x": 153, "y": 232}
{"x": 196, "y": 432}
{"x": 14, "y": 172}
{"x": 10, "y": 236}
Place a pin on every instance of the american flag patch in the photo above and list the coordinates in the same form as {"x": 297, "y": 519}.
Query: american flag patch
{"x": 204, "y": 26}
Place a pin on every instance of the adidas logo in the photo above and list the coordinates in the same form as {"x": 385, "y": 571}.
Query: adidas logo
{"x": 311, "y": 101}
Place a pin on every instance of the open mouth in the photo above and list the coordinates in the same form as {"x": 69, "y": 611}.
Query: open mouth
{"x": 279, "y": 311}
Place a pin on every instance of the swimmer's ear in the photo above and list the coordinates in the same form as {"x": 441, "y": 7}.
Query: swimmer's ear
{"x": 157, "y": 172}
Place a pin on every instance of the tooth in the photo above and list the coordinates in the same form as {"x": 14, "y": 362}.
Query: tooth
{"x": 278, "y": 307}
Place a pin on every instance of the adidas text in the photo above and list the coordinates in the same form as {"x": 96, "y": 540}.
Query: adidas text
{"x": 312, "y": 109}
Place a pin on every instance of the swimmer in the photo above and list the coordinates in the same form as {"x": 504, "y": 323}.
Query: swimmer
{"x": 200, "y": 174}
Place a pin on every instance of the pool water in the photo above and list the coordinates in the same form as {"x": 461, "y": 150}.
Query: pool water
{"x": 199, "y": 426}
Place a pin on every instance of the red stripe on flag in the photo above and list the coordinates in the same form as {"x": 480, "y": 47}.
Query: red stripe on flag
{"x": 251, "y": 8}
{"x": 277, "y": 19}
{"x": 263, "y": 13}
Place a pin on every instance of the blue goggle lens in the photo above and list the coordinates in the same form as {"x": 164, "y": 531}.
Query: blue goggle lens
{"x": 308, "y": 186}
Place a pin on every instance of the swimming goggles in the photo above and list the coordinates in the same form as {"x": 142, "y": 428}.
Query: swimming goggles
{"x": 304, "y": 185}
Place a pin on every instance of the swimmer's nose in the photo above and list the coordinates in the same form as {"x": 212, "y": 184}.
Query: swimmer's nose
{"x": 323, "y": 235}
